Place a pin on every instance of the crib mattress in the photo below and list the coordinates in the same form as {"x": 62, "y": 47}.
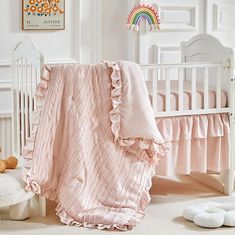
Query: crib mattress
{"x": 187, "y": 95}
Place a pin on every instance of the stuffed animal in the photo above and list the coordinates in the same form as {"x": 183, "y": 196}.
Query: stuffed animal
{"x": 2, "y": 166}
{"x": 10, "y": 163}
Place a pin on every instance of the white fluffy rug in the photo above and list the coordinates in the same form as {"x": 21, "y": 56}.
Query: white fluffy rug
{"x": 163, "y": 216}
{"x": 211, "y": 214}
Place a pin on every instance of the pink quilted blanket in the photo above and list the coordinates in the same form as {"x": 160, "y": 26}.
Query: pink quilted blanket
{"x": 94, "y": 144}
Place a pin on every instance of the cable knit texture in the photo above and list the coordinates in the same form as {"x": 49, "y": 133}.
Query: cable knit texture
{"x": 94, "y": 144}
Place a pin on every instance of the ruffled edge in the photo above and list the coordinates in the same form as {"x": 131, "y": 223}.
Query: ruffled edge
{"x": 40, "y": 96}
{"x": 192, "y": 127}
{"x": 31, "y": 184}
{"x": 155, "y": 151}
{"x": 152, "y": 148}
{"x": 68, "y": 220}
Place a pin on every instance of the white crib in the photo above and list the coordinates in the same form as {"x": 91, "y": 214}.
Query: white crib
{"x": 201, "y": 54}
{"x": 205, "y": 59}
{"x": 27, "y": 62}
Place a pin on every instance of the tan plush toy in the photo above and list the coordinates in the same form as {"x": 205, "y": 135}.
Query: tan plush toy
{"x": 10, "y": 163}
{"x": 2, "y": 166}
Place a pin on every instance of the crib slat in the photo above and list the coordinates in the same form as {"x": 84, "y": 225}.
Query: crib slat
{"x": 34, "y": 86}
{"x": 30, "y": 96}
{"x": 181, "y": 89}
{"x": 0, "y": 140}
{"x": 22, "y": 107}
{"x": 154, "y": 90}
{"x": 35, "y": 82}
{"x": 7, "y": 138}
{"x": 218, "y": 87}
{"x": 168, "y": 87}
{"x": 13, "y": 106}
{"x": 26, "y": 101}
{"x": 1, "y": 157}
{"x": 9, "y": 142}
{"x": 3, "y": 139}
{"x": 193, "y": 105}
{"x": 18, "y": 107}
{"x": 206, "y": 90}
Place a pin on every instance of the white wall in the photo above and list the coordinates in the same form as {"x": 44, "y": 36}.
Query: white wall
{"x": 95, "y": 30}
{"x": 221, "y": 20}
{"x": 80, "y": 41}
{"x": 180, "y": 20}
{"x": 118, "y": 42}
{"x": 59, "y": 45}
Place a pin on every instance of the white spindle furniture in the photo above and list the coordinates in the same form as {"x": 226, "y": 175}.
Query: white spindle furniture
{"x": 5, "y": 135}
{"x": 193, "y": 67}
{"x": 27, "y": 62}
{"x": 207, "y": 62}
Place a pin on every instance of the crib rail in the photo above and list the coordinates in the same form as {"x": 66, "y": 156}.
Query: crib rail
{"x": 27, "y": 62}
{"x": 23, "y": 91}
{"x": 186, "y": 71}
{"x": 5, "y": 135}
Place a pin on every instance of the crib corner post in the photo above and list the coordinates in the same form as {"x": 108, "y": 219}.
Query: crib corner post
{"x": 42, "y": 206}
{"x": 230, "y": 176}
{"x": 229, "y": 182}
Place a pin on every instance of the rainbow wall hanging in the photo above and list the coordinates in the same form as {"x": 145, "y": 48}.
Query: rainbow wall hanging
{"x": 143, "y": 11}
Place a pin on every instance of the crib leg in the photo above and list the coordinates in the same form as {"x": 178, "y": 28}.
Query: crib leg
{"x": 228, "y": 182}
{"x": 42, "y": 206}
{"x": 20, "y": 211}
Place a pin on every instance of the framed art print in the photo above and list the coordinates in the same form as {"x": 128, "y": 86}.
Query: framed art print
{"x": 43, "y": 14}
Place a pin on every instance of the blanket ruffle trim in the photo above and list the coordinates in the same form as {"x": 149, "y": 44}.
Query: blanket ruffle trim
{"x": 40, "y": 96}
{"x": 68, "y": 220}
{"x": 155, "y": 150}
{"x": 31, "y": 183}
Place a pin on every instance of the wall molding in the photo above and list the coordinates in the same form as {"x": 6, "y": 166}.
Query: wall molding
{"x": 5, "y": 115}
{"x": 77, "y": 41}
{"x": 5, "y": 85}
{"x": 97, "y": 31}
{"x": 61, "y": 61}
{"x": 170, "y": 54}
{"x": 165, "y": 51}
{"x": 89, "y": 32}
{"x": 5, "y": 63}
{"x": 171, "y": 18}
{"x": 219, "y": 11}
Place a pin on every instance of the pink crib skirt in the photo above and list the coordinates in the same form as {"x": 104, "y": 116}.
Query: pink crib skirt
{"x": 198, "y": 143}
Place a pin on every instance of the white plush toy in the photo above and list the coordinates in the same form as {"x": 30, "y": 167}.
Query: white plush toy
{"x": 211, "y": 214}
